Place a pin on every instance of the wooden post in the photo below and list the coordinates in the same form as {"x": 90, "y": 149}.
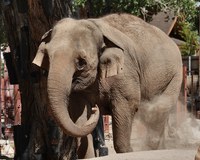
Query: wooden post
{"x": 2, "y": 96}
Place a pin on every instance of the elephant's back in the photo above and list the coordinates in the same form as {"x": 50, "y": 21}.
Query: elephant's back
{"x": 120, "y": 21}
{"x": 147, "y": 39}
{"x": 158, "y": 57}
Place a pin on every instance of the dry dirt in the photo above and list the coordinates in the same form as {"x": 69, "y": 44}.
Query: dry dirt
{"x": 181, "y": 146}
{"x": 152, "y": 155}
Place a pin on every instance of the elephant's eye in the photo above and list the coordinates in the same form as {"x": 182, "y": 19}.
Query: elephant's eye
{"x": 80, "y": 63}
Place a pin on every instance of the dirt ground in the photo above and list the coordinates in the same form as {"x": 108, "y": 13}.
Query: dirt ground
{"x": 182, "y": 145}
{"x": 174, "y": 154}
{"x": 185, "y": 153}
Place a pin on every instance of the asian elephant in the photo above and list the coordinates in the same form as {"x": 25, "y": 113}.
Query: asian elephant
{"x": 120, "y": 64}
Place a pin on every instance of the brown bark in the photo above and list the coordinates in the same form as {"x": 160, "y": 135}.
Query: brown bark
{"x": 26, "y": 21}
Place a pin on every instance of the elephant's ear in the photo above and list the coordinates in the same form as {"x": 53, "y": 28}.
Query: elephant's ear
{"x": 41, "y": 57}
{"x": 116, "y": 43}
{"x": 112, "y": 36}
{"x": 111, "y": 62}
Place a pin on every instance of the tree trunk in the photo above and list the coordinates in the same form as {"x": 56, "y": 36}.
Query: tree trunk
{"x": 26, "y": 21}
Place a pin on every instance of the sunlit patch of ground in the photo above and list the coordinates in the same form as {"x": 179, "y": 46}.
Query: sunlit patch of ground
{"x": 7, "y": 149}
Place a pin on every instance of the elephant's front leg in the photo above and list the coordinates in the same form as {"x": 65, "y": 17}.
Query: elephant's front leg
{"x": 122, "y": 117}
{"x": 85, "y": 147}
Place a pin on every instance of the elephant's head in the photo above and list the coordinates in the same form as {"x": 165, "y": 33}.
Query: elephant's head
{"x": 75, "y": 50}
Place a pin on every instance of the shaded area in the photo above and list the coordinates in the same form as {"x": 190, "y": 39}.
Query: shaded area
{"x": 4, "y": 157}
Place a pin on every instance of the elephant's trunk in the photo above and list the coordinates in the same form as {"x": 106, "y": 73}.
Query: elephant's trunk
{"x": 59, "y": 86}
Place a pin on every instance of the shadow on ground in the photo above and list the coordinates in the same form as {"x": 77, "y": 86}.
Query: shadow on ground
{"x": 5, "y": 158}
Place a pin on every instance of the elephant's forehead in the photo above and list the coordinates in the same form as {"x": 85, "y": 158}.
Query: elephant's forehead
{"x": 71, "y": 27}
{"x": 74, "y": 42}
{"x": 65, "y": 24}
{"x": 72, "y": 36}
{"x": 72, "y": 46}
{"x": 75, "y": 38}
{"x": 78, "y": 40}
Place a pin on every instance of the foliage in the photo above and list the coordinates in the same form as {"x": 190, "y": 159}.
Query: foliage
{"x": 191, "y": 39}
{"x": 79, "y": 2}
{"x": 142, "y": 8}
{"x": 101, "y": 7}
{"x": 180, "y": 7}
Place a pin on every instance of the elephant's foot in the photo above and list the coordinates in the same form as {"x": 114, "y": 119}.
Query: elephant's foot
{"x": 153, "y": 143}
{"x": 197, "y": 156}
{"x": 123, "y": 148}
{"x": 155, "y": 139}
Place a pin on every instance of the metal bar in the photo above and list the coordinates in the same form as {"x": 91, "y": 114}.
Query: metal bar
{"x": 185, "y": 88}
{"x": 189, "y": 65}
{"x": 199, "y": 57}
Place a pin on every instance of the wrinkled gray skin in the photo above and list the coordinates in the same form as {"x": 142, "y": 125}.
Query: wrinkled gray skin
{"x": 118, "y": 62}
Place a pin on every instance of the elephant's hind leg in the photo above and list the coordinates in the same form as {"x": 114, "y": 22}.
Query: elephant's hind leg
{"x": 155, "y": 113}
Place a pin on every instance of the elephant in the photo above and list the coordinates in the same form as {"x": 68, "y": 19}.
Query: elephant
{"x": 117, "y": 65}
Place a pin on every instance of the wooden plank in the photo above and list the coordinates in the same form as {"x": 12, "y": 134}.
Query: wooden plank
{"x": 165, "y": 21}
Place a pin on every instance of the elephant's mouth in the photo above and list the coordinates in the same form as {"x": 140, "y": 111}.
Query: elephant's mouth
{"x": 79, "y": 84}
{"x": 76, "y": 80}
{"x": 75, "y": 83}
